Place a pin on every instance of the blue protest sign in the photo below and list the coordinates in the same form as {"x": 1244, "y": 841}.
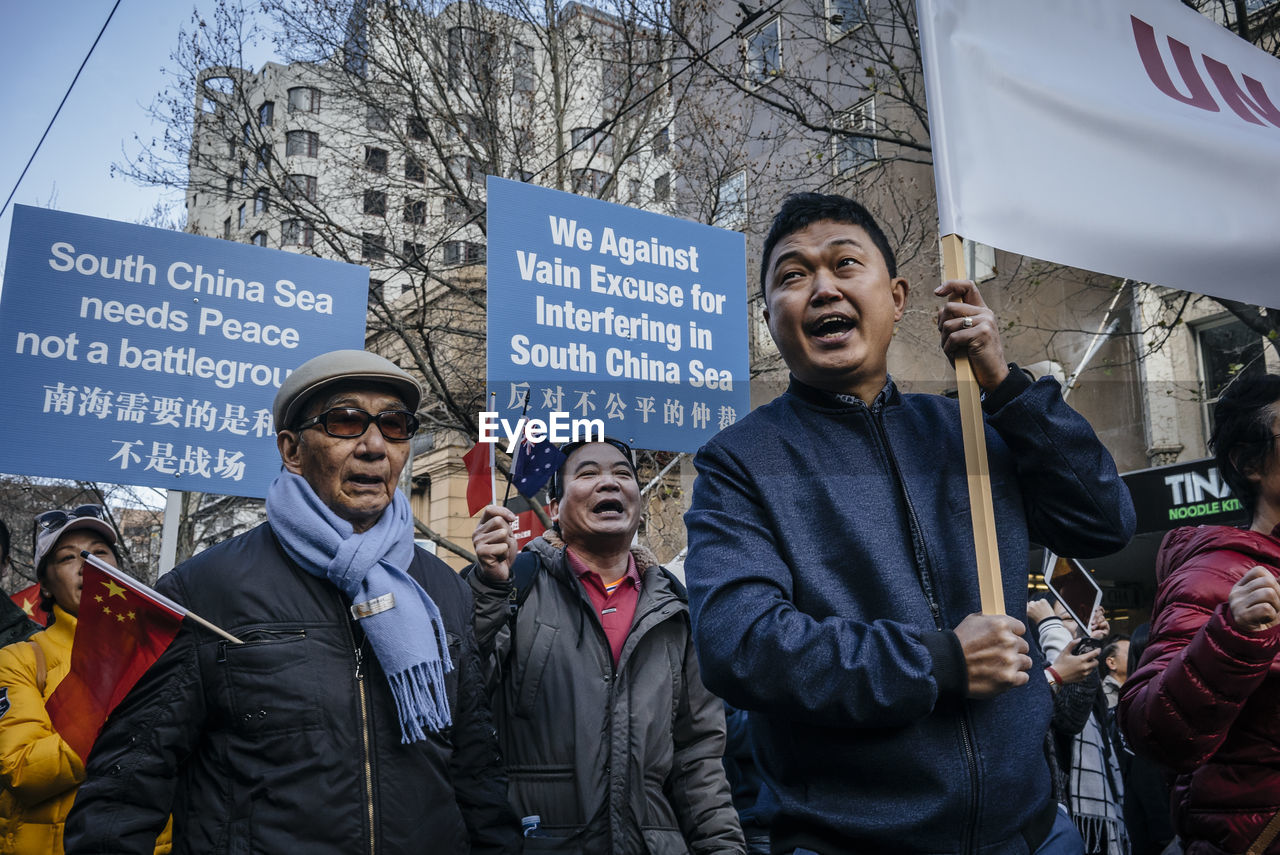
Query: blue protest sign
{"x": 151, "y": 357}
{"x": 601, "y": 312}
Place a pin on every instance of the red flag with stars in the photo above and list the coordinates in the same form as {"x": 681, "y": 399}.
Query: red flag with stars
{"x": 122, "y": 628}
{"x": 28, "y": 599}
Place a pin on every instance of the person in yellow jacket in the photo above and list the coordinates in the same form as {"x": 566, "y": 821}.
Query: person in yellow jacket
{"x": 38, "y": 770}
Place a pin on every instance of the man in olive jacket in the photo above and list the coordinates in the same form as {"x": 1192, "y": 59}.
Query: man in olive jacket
{"x": 608, "y": 734}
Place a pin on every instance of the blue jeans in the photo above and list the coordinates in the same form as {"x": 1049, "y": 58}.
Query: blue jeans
{"x": 1063, "y": 838}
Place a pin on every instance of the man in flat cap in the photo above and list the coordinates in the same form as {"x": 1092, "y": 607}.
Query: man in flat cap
{"x": 352, "y": 716}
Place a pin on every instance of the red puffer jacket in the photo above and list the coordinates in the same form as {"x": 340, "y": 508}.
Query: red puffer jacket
{"x": 1206, "y": 699}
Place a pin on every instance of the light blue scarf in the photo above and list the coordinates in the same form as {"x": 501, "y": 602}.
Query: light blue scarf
{"x": 409, "y": 639}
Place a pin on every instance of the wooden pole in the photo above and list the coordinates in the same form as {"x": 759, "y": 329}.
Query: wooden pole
{"x": 972, "y": 428}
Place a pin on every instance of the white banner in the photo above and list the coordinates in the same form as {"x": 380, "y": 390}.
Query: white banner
{"x": 1135, "y": 138}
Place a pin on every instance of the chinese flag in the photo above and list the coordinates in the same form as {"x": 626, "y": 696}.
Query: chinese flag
{"x": 122, "y": 628}
{"x": 479, "y": 477}
{"x": 28, "y": 599}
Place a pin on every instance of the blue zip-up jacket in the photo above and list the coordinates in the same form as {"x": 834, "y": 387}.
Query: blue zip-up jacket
{"x": 830, "y": 557}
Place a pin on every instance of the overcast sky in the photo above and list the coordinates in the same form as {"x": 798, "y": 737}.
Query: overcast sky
{"x": 41, "y": 45}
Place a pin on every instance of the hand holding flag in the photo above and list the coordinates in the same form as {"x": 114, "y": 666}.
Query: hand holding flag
{"x": 122, "y": 629}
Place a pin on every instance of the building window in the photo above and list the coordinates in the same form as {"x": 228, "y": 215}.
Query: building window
{"x": 731, "y": 207}
{"x": 240, "y": 217}
{"x": 590, "y": 182}
{"x": 261, "y": 200}
{"x": 264, "y": 158}
{"x": 851, "y": 153}
{"x": 244, "y": 174}
{"x": 377, "y": 290}
{"x": 231, "y": 147}
{"x": 373, "y": 247}
{"x": 375, "y": 159}
{"x": 762, "y": 50}
{"x": 375, "y": 202}
{"x": 413, "y": 170}
{"x": 266, "y": 113}
{"x": 845, "y": 16}
{"x": 464, "y": 168}
{"x": 417, "y": 128}
{"x": 248, "y": 133}
{"x": 376, "y": 119}
{"x": 662, "y": 188}
{"x": 523, "y": 74}
{"x": 455, "y": 211}
{"x": 296, "y": 233}
{"x": 463, "y": 252}
{"x": 415, "y": 211}
{"x": 662, "y": 142}
{"x": 300, "y": 187}
{"x": 259, "y": 239}
{"x": 600, "y": 142}
{"x": 414, "y": 253}
{"x": 470, "y": 56}
{"x": 304, "y": 99}
{"x": 226, "y": 229}
{"x": 304, "y": 143}
{"x": 231, "y": 188}
{"x": 1229, "y": 350}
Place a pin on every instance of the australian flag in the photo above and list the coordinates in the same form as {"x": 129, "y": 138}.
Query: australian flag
{"x": 534, "y": 465}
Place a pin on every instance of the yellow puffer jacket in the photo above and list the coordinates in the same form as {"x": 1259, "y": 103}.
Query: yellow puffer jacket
{"x": 39, "y": 771}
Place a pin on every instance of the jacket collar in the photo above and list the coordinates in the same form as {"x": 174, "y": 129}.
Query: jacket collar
{"x": 822, "y": 398}
{"x": 63, "y": 629}
{"x": 549, "y": 546}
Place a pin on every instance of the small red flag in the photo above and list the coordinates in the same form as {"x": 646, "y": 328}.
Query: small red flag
{"x": 28, "y": 599}
{"x": 479, "y": 477}
{"x": 528, "y": 526}
{"x": 122, "y": 628}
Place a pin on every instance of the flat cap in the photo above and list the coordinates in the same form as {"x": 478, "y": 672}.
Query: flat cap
{"x": 339, "y": 366}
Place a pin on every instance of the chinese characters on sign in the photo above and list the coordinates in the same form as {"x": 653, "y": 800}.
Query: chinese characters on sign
{"x": 151, "y": 357}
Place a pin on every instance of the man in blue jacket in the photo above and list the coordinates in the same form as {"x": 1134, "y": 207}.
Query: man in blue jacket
{"x": 831, "y": 565}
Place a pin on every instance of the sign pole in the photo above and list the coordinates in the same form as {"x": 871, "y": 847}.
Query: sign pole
{"x": 981, "y": 506}
{"x": 169, "y": 534}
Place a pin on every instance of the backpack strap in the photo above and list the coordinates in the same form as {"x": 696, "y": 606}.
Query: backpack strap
{"x": 524, "y": 571}
{"x": 42, "y": 669}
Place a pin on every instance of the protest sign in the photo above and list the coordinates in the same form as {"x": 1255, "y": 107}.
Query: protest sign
{"x": 602, "y": 313}
{"x": 1156, "y": 158}
{"x": 151, "y": 357}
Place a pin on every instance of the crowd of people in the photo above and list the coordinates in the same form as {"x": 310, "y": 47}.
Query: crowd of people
{"x": 826, "y": 682}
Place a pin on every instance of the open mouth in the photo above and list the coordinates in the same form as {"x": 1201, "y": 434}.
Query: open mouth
{"x": 365, "y": 480}
{"x": 607, "y": 506}
{"x": 831, "y": 326}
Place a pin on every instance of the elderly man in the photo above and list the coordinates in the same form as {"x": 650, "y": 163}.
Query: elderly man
{"x": 832, "y": 573}
{"x": 352, "y": 718}
{"x": 611, "y": 741}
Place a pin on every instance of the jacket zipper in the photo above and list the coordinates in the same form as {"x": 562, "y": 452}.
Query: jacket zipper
{"x": 364, "y": 733}
{"x": 926, "y": 583}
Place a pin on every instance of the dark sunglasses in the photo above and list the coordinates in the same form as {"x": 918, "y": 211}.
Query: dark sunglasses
{"x": 54, "y": 520}
{"x": 352, "y": 422}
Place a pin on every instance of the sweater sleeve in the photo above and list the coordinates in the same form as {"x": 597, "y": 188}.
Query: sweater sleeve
{"x": 759, "y": 651}
{"x": 1196, "y": 674}
{"x": 1075, "y": 502}
{"x": 35, "y": 763}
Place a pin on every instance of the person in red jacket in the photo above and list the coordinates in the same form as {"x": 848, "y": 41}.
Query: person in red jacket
{"x": 1205, "y": 700}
